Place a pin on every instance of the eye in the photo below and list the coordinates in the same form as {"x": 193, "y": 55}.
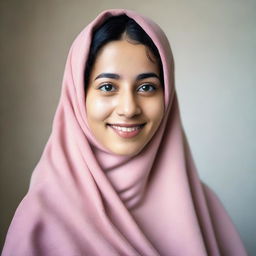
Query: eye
{"x": 147, "y": 88}
{"x": 107, "y": 87}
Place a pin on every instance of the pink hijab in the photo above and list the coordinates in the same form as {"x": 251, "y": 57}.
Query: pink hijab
{"x": 85, "y": 200}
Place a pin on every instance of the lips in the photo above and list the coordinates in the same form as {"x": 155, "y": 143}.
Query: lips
{"x": 127, "y": 130}
{"x": 127, "y": 125}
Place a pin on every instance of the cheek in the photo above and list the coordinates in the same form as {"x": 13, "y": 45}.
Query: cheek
{"x": 98, "y": 108}
{"x": 154, "y": 110}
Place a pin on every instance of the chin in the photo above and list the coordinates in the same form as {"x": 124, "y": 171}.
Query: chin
{"x": 126, "y": 151}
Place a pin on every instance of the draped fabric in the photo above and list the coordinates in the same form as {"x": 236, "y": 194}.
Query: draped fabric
{"x": 85, "y": 200}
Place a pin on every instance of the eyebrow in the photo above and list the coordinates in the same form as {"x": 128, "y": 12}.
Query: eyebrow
{"x": 108, "y": 75}
{"x": 147, "y": 75}
{"x": 116, "y": 76}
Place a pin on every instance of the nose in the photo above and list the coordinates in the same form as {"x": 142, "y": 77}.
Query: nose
{"x": 128, "y": 105}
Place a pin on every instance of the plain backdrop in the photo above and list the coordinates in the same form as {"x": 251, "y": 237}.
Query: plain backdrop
{"x": 214, "y": 46}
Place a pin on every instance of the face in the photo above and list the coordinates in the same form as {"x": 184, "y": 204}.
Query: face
{"x": 124, "y": 98}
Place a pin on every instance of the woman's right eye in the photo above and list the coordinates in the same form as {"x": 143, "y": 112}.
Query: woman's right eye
{"x": 107, "y": 87}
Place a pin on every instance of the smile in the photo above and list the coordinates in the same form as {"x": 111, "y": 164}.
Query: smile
{"x": 127, "y": 130}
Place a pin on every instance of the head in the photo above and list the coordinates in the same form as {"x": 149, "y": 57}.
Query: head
{"x": 124, "y": 86}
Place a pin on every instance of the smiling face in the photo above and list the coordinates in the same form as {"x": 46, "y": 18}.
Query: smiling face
{"x": 124, "y": 98}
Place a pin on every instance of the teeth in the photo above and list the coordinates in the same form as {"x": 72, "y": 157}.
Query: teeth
{"x": 126, "y": 129}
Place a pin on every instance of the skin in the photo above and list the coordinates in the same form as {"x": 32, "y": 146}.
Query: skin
{"x": 123, "y": 98}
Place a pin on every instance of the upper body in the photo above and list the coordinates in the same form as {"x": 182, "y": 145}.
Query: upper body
{"x": 116, "y": 176}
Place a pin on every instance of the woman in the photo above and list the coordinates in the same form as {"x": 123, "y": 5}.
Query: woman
{"x": 116, "y": 176}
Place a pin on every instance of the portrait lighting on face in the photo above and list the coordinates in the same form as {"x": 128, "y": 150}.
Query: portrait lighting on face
{"x": 124, "y": 99}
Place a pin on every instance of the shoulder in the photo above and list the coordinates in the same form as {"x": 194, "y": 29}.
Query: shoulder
{"x": 225, "y": 230}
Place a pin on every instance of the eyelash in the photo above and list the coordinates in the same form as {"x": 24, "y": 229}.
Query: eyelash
{"x": 153, "y": 87}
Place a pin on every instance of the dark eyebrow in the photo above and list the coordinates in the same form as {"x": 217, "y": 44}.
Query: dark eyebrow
{"x": 116, "y": 76}
{"x": 108, "y": 75}
{"x": 147, "y": 75}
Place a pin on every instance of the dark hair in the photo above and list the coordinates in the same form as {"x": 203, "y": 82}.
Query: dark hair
{"x": 113, "y": 29}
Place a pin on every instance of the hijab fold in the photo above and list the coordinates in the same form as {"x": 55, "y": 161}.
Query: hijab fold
{"x": 85, "y": 200}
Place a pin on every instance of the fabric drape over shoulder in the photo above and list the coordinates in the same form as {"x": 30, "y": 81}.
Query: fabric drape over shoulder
{"x": 85, "y": 200}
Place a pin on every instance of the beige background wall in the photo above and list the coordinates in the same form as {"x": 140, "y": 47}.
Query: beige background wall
{"x": 214, "y": 45}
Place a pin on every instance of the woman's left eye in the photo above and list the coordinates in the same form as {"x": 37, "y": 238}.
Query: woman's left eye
{"x": 147, "y": 88}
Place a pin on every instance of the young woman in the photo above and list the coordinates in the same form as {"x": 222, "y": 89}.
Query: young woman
{"x": 116, "y": 176}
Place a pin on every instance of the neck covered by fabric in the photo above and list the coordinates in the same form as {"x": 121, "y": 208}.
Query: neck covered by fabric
{"x": 84, "y": 200}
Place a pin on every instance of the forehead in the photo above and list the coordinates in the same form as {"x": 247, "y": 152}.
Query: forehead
{"x": 125, "y": 56}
